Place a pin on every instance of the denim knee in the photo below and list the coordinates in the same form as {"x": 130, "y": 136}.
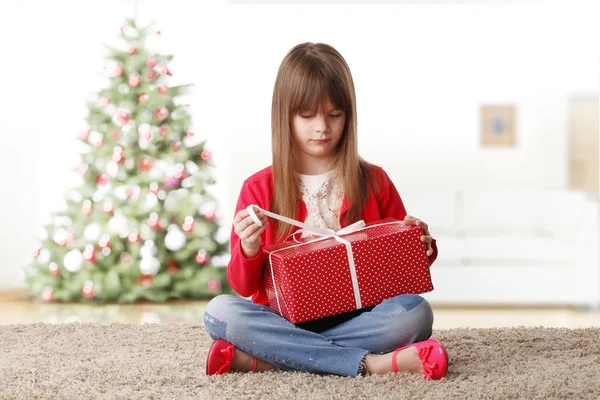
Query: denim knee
{"x": 216, "y": 315}
{"x": 421, "y": 314}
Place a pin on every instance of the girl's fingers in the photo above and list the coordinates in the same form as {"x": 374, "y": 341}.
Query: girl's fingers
{"x": 252, "y": 228}
{"x": 426, "y": 239}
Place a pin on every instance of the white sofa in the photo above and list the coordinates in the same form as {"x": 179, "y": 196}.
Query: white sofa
{"x": 517, "y": 247}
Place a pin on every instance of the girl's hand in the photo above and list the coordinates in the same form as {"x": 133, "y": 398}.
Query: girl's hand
{"x": 426, "y": 238}
{"x": 249, "y": 232}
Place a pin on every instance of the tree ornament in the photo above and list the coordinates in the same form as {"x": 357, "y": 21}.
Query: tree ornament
{"x": 163, "y": 89}
{"x": 107, "y": 207}
{"x": 144, "y": 164}
{"x": 134, "y": 80}
{"x": 214, "y": 284}
{"x": 151, "y": 74}
{"x": 176, "y": 146}
{"x": 84, "y": 135}
{"x": 205, "y": 156}
{"x": 104, "y": 241}
{"x": 151, "y": 62}
{"x": 89, "y": 254}
{"x": 122, "y": 117}
{"x": 189, "y": 134}
{"x": 144, "y": 98}
{"x": 173, "y": 267}
{"x": 154, "y": 188}
{"x": 117, "y": 155}
{"x": 145, "y": 280}
{"x": 87, "y": 207}
{"x": 163, "y": 131}
{"x": 160, "y": 114}
{"x": 188, "y": 225}
{"x": 88, "y": 290}
{"x": 165, "y": 71}
{"x": 47, "y": 294}
{"x": 210, "y": 215}
{"x": 73, "y": 260}
{"x": 175, "y": 239}
{"x": 102, "y": 179}
{"x": 133, "y": 237}
{"x": 104, "y": 101}
{"x": 92, "y": 232}
{"x": 54, "y": 269}
{"x": 115, "y": 135}
{"x": 202, "y": 257}
{"x": 60, "y": 237}
{"x": 131, "y": 49}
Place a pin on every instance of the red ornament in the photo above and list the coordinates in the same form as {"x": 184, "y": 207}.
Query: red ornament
{"x": 160, "y": 114}
{"x": 99, "y": 143}
{"x": 210, "y": 215}
{"x": 163, "y": 131}
{"x": 153, "y": 221}
{"x": 36, "y": 253}
{"x": 107, "y": 207}
{"x": 118, "y": 156}
{"x": 189, "y": 134}
{"x": 87, "y": 207}
{"x": 158, "y": 32}
{"x": 54, "y": 270}
{"x": 165, "y": 71}
{"x": 123, "y": 117}
{"x": 134, "y": 80}
{"x": 144, "y": 164}
{"x": 151, "y": 74}
{"x": 47, "y": 295}
{"x": 213, "y": 284}
{"x": 104, "y": 101}
{"x": 173, "y": 267}
{"x": 115, "y": 135}
{"x": 205, "y": 156}
{"x": 104, "y": 241}
{"x": 89, "y": 254}
{"x": 151, "y": 62}
{"x": 163, "y": 89}
{"x": 84, "y": 135}
{"x": 144, "y": 98}
{"x": 131, "y": 49}
{"x": 176, "y": 146}
{"x": 146, "y": 280}
{"x": 87, "y": 291}
{"x": 70, "y": 237}
{"x": 133, "y": 238}
{"x": 118, "y": 71}
{"x": 202, "y": 257}
{"x": 102, "y": 179}
{"x": 188, "y": 225}
{"x": 146, "y": 134}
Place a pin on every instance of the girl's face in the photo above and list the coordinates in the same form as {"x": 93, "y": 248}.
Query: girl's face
{"x": 316, "y": 135}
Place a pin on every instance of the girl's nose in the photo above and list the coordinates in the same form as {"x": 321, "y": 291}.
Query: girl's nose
{"x": 320, "y": 123}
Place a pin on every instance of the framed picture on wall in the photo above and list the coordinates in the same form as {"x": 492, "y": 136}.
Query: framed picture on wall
{"x": 497, "y": 125}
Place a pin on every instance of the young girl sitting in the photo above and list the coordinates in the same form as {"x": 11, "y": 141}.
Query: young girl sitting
{"x": 316, "y": 177}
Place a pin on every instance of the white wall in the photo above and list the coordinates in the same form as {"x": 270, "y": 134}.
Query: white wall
{"x": 420, "y": 73}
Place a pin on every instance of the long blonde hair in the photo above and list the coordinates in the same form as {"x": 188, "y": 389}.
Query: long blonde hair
{"x": 309, "y": 74}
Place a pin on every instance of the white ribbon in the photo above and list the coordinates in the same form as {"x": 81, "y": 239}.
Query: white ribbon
{"x": 325, "y": 233}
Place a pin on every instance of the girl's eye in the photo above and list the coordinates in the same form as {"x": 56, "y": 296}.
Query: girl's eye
{"x": 331, "y": 115}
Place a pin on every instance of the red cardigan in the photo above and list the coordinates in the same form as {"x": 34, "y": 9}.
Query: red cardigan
{"x": 245, "y": 274}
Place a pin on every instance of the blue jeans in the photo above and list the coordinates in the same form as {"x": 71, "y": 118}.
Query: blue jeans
{"x": 258, "y": 330}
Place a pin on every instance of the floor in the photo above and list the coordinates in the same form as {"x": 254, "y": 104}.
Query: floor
{"x": 16, "y": 309}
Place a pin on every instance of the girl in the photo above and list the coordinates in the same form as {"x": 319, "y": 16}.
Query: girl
{"x": 317, "y": 177}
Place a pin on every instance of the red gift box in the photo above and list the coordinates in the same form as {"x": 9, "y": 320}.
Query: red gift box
{"x": 315, "y": 278}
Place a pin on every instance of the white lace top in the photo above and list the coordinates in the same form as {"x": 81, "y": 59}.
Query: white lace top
{"x": 323, "y": 196}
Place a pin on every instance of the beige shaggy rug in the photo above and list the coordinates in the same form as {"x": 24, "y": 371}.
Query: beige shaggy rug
{"x": 151, "y": 361}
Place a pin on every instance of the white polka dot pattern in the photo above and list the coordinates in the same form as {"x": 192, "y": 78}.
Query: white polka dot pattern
{"x": 313, "y": 280}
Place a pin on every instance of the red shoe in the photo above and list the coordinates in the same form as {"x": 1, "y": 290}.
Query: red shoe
{"x": 433, "y": 357}
{"x": 219, "y": 359}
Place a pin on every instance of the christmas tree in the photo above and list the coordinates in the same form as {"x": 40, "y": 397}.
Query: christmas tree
{"x": 141, "y": 225}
